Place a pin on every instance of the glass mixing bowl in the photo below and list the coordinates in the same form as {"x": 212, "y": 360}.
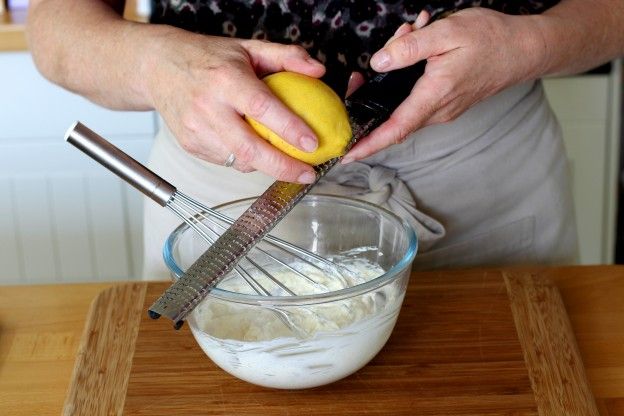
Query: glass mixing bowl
{"x": 294, "y": 342}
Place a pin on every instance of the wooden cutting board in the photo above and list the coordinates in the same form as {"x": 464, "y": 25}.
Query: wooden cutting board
{"x": 466, "y": 343}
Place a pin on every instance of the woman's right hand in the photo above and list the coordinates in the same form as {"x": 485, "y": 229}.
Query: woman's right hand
{"x": 203, "y": 85}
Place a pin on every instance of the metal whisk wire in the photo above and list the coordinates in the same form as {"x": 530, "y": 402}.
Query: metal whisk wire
{"x": 198, "y": 215}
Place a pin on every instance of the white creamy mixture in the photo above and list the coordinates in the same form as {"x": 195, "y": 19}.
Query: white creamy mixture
{"x": 322, "y": 344}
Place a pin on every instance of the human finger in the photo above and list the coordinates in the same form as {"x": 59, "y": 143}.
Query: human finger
{"x": 413, "y": 47}
{"x": 268, "y": 57}
{"x": 422, "y": 19}
{"x": 252, "y": 97}
{"x": 413, "y": 113}
{"x": 401, "y": 30}
{"x": 356, "y": 80}
{"x": 253, "y": 152}
{"x": 217, "y": 153}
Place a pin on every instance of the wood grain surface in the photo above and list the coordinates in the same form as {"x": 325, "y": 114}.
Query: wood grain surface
{"x": 544, "y": 333}
{"x": 104, "y": 359}
{"x": 465, "y": 344}
{"x": 41, "y": 329}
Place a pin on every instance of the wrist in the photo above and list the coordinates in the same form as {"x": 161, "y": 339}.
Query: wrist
{"x": 558, "y": 36}
{"x": 147, "y": 48}
{"x": 162, "y": 51}
{"x": 535, "y": 47}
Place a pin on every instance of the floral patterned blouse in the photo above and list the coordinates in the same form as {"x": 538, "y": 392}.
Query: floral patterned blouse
{"x": 343, "y": 34}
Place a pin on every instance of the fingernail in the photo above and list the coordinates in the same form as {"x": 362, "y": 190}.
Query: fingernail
{"x": 307, "y": 177}
{"x": 380, "y": 60}
{"x": 347, "y": 159}
{"x": 308, "y": 143}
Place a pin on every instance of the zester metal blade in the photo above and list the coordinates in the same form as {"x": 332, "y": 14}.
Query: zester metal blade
{"x": 368, "y": 107}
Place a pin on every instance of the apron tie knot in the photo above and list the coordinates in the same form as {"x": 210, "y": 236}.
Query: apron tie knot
{"x": 381, "y": 186}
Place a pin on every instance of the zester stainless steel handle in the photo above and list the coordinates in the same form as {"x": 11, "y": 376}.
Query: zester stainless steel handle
{"x": 120, "y": 163}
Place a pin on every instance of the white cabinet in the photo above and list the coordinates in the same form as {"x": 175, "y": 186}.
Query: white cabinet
{"x": 62, "y": 216}
{"x": 589, "y": 110}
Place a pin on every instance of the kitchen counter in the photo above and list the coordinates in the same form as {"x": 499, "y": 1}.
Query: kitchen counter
{"x": 41, "y": 327}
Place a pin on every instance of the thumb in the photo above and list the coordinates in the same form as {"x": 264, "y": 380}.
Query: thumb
{"x": 268, "y": 57}
{"x": 412, "y": 47}
{"x": 408, "y": 117}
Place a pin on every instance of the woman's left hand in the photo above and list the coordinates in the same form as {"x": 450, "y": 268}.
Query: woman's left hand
{"x": 471, "y": 55}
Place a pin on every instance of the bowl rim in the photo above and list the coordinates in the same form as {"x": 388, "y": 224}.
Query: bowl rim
{"x": 325, "y": 297}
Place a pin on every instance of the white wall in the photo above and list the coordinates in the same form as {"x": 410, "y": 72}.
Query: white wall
{"x": 589, "y": 110}
{"x": 62, "y": 216}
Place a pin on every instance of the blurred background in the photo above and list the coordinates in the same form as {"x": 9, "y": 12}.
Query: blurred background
{"x": 63, "y": 218}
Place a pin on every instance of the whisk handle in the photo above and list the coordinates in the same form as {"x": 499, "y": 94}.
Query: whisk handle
{"x": 120, "y": 163}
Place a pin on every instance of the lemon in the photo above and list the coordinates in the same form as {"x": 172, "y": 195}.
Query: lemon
{"x": 319, "y": 106}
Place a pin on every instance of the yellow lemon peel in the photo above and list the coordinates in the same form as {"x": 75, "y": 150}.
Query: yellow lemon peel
{"x": 319, "y": 106}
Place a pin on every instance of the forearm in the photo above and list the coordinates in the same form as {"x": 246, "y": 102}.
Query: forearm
{"x": 87, "y": 47}
{"x": 579, "y": 35}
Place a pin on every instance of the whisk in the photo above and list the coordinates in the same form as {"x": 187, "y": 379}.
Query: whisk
{"x": 259, "y": 274}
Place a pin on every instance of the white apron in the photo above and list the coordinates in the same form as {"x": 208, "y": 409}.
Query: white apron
{"x": 490, "y": 188}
